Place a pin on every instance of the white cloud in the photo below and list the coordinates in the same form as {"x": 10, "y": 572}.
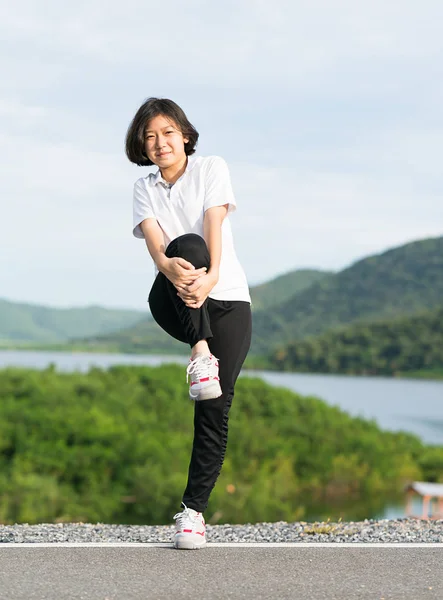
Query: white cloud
{"x": 326, "y": 111}
{"x": 229, "y": 42}
{"x": 302, "y": 218}
{"x": 72, "y": 214}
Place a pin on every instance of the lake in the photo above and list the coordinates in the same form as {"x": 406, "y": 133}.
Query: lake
{"x": 410, "y": 405}
{"x": 413, "y": 405}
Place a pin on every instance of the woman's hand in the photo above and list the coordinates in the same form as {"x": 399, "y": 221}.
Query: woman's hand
{"x": 180, "y": 272}
{"x": 195, "y": 294}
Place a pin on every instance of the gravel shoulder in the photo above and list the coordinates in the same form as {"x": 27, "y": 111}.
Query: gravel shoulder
{"x": 398, "y": 530}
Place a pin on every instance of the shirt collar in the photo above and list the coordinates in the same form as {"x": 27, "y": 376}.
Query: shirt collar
{"x": 157, "y": 178}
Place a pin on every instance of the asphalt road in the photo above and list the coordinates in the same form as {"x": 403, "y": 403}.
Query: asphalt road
{"x": 311, "y": 573}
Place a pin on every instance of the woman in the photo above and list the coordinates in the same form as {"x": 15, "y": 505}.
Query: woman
{"x": 200, "y": 295}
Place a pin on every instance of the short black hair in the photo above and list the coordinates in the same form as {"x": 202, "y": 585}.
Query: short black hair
{"x": 153, "y": 107}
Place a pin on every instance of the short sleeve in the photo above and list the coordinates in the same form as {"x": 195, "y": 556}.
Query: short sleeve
{"x": 142, "y": 208}
{"x": 218, "y": 188}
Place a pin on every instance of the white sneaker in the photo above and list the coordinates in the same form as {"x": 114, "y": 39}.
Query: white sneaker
{"x": 205, "y": 382}
{"x": 191, "y": 528}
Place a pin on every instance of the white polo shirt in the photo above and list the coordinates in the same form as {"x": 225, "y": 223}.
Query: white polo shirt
{"x": 180, "y": 209}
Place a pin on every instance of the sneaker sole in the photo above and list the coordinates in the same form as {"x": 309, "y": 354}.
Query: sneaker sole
{"x": 209, "y": 394}
{"x": 184, "y": 544}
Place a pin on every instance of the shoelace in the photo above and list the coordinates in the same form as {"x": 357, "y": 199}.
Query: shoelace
{"x": 199, "y": 367}
{"x": 185, "y": 518}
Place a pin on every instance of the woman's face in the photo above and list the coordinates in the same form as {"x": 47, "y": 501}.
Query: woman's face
{"x": 164, "y": 142}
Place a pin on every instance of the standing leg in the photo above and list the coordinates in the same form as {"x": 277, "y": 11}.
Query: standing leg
{"x": 231, "y": 327}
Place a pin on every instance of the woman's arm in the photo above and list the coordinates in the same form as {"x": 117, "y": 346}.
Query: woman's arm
{"x": 178, "y": 270}
{"x": 154, "y": 241}
{"x": 212, "y": 225}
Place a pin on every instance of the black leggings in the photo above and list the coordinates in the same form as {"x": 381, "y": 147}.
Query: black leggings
{"x": 226, "y": 325}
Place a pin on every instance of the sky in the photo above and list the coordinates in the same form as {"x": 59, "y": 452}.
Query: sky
{"x": 329, "y": 114}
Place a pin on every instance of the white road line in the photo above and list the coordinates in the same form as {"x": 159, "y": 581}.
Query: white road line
{"x": 224, "y": 545}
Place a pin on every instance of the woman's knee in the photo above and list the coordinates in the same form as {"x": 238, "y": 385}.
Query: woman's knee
{"x": 191, "y": 247}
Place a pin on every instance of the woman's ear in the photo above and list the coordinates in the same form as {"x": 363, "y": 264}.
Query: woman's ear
{"x": 186, "y": 140}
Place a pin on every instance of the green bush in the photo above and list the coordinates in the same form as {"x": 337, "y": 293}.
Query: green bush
{"x": 113, "y": 446}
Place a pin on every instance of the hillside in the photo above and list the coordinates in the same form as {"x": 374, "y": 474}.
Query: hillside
{"x": 389, "y": 347}
{"x": 401, "y": 281}
{"x": 147, "y": 336}
{"x": 40, "y": 324}
{"x": 284, "y": 286}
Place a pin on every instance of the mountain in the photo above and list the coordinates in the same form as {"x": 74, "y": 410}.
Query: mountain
{"x": 284, "y": 286}
{"x": 147, "y": 336}
{"x": 401, "y": 345}
{"x": 400, "y": 281}
{"x": 40, "y": 324}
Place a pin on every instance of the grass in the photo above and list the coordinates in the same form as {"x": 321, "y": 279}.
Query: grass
{"x": 330, "y": 528}
{"x": 323, "y": 527}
